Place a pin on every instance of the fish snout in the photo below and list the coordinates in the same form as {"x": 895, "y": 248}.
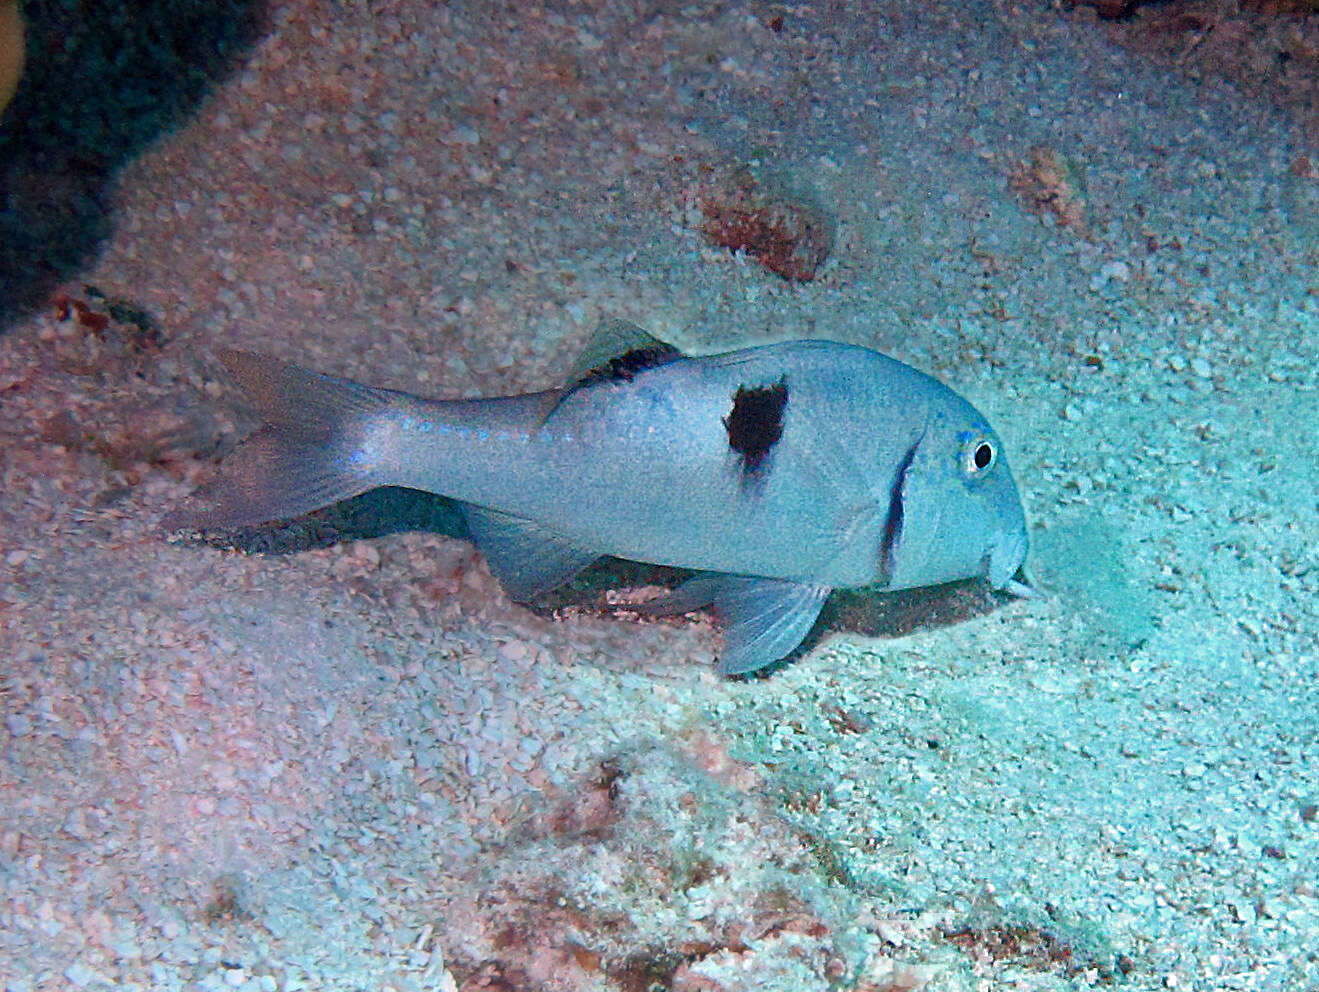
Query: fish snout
{"x": 1005, "y": 563}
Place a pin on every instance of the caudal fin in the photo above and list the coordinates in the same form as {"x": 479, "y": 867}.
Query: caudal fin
{"x": 315, "y": 448}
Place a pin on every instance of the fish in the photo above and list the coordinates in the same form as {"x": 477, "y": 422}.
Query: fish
{"x": 776, "y": 473}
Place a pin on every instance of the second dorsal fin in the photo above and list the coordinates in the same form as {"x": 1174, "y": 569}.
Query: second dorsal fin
{"x": 619, "y": 350}
{"x": 616, "y": 350}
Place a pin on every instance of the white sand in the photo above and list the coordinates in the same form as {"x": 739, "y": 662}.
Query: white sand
{"x": 361, "y": 767}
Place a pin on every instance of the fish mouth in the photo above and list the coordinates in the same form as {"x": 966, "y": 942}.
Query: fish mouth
{"x": 1022, "y": 584}
{"x": 1005, "y": 565}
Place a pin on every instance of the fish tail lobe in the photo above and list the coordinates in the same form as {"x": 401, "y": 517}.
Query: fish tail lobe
{"x": 320, "y": 444}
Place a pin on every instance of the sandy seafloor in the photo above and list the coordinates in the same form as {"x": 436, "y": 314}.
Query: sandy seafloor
{"x": 359, "y": 766}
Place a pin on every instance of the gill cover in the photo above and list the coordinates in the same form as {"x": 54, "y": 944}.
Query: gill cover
{"x": 954, "y": 512}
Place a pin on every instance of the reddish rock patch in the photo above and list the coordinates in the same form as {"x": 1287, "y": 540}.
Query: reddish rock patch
{"x": 791, "y": 239}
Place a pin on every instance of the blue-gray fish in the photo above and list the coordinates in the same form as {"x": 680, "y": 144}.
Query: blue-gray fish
{"x": 778, "y": 473}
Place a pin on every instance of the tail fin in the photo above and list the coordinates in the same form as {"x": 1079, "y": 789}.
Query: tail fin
{"x": 315, "y": 448}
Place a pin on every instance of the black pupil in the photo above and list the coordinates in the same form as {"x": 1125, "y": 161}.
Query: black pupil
{"x": 984, "y": 455}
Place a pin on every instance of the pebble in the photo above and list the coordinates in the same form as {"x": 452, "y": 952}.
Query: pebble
{"x": 75, "y": 824}
{"x": 1110, "y": 272}
{"x": 1116, "y": 270}
{"x": 82, "y": 976}
{"x": 514, "y": 650}
{"x": 465, "y": 134}
{"x": 18, "y": 725}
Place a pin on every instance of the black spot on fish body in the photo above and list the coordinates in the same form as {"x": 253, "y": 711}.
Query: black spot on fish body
{"x": 755, "y": 424}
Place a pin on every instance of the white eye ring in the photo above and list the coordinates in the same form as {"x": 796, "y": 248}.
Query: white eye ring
{"x": 979, "y": 456}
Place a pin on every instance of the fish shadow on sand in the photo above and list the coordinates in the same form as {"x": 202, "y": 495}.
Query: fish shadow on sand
{"x": 391, "y": 510}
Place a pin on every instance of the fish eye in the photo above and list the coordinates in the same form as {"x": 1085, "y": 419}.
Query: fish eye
{"x": 979, "y": 455}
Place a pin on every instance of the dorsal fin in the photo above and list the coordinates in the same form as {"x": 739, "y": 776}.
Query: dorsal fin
{"x": 619, "y": 350}
{"x": 616, "y": 350}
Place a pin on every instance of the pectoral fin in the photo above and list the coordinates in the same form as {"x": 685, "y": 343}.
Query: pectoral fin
{"x": 765, "y": 619}
{"x": 526, "y": 558}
